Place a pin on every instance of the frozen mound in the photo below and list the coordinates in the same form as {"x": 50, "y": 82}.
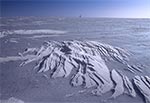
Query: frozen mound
{"x": 85, "y": 62}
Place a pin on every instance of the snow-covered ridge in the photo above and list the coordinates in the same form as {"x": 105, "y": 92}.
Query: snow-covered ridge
{"x": 88, "y": 59}
{"x": 39, "y": 31}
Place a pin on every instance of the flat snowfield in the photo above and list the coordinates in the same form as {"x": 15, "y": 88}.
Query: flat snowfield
{"x": 74, "y": 60}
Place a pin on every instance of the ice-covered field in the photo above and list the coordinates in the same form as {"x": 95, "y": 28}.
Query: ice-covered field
{"x": 95, "y": 60}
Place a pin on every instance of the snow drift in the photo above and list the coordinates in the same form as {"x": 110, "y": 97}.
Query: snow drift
{"x": 30, "y": 32}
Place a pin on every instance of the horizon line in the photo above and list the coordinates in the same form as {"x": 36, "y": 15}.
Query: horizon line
{"x": 81, "y": 17}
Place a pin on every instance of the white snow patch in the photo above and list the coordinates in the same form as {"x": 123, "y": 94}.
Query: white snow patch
{"x": 2, "y": 35}
{"x": 15, "y": 58}
{"x": 43, "y": 36}
{"x": 40, "y": 31}
{"x": 13, "y": 40}
{"x": 12, "y": 100}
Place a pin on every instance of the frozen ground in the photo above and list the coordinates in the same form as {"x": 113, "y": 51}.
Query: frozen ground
{"x": 84, "y": 60}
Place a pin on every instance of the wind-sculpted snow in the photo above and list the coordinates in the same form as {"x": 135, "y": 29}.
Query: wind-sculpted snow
{"x": 143, "y": 85}
{"x": 86, "y": 63}
{"x": 119, "y": 88}
{"x": 129, "y": 86}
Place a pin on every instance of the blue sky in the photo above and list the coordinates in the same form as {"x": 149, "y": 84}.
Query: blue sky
{"x": 87, "y": 8}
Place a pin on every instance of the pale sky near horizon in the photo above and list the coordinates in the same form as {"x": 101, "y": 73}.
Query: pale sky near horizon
{"x": 74, "y": 8}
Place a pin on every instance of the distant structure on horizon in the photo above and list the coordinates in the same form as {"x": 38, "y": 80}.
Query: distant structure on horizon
{"x": 80, "y": 16}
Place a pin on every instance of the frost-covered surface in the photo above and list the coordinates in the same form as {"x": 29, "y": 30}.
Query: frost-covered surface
{"x": 88, "y": 59}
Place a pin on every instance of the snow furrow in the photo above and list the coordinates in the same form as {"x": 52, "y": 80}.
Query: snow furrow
{"x": 129, "y": 86}
{"x": 119, "y": 87}
{"x": 142, "y": 88}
